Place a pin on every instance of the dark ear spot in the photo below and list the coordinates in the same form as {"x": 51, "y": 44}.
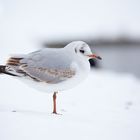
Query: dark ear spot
{"x": 75, "y": 50}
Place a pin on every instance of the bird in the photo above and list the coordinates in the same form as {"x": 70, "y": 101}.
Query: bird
{"x": 52, "y": 70}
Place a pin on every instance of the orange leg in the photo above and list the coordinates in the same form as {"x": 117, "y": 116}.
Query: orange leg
{"x": 54, "y": 103}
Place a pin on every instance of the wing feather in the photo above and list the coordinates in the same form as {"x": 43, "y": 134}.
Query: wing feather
{"x": 44, "y": 65}
{"x": 48, "y": 75}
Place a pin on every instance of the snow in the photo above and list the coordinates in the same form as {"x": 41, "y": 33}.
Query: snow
{"x": 103, "y": 107}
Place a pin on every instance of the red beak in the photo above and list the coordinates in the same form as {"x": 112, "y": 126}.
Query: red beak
{"x": 95, "y": 56}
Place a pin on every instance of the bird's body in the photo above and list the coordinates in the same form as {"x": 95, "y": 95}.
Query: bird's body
{"x": 57, "y": 71}
{"x": 51, "y": 69}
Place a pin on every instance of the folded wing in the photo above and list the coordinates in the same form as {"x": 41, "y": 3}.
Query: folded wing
{"x": 37, "y": 66}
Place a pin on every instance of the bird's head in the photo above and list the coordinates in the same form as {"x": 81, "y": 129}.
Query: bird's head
{"x": 82, "y": 49}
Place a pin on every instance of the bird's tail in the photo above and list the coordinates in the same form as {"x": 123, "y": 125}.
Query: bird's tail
{"x": 4, "y": 71}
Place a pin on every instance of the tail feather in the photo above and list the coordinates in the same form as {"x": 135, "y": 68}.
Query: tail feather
{"x": 3, "y": 71}
{"x": 13, "y": 61}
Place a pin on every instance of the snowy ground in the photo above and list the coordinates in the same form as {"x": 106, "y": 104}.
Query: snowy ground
{"x": 104, "y": 107}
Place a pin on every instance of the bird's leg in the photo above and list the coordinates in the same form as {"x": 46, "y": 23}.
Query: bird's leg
{"x": 54, "y": 103}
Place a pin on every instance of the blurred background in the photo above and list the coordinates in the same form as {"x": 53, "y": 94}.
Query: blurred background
{"x": 111, "y": 28}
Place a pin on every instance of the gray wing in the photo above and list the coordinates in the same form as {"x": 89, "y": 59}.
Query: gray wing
{"x": 50, "y": 67}
{"x": 48, "y": 75}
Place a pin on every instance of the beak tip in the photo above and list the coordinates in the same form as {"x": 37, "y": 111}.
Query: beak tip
{"x": 100, "y": 58}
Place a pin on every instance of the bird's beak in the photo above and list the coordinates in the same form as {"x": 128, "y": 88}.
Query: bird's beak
{"x": 94, "y": 56}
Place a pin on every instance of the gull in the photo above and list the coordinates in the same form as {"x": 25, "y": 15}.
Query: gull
{"x": 52, "y": 70}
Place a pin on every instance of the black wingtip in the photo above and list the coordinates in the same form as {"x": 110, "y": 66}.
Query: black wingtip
{"x": 2, "y": 68}
{"x": 3, "y": 71}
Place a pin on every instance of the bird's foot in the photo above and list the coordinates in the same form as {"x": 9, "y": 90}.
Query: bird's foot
{"x": 55, "y": 113}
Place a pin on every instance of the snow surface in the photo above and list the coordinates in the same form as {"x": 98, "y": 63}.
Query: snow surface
{"x": 106, "y": 106}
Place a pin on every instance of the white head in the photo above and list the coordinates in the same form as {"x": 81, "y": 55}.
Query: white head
{"x": 82, "y": 49}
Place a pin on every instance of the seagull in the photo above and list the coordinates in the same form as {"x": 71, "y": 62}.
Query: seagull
{"x": 52, "y": 70}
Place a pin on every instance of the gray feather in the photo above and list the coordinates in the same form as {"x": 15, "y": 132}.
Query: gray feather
{"x": 47, "y": 66}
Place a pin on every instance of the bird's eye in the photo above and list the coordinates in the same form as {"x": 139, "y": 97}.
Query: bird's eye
{"x": 82, "y": 51}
